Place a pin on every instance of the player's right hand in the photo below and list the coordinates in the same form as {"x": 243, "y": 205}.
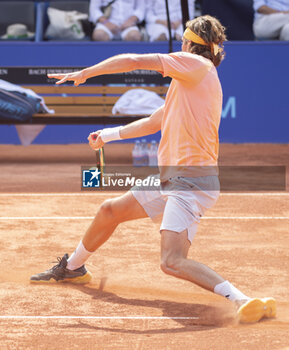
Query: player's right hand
{"x": 95, "y": 141}
{"x": 77, "y": 77}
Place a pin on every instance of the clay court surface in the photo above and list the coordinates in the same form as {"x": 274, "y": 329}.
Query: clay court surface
{"x": 130, "y": 303}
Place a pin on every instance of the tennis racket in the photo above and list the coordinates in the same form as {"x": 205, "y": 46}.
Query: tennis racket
{"x": 100, "y": 159}
{"x": 99, "y": 155}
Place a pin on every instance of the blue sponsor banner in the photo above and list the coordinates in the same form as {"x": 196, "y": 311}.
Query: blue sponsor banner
{"x": 256, "y": 103}
{"x": 254, "y": 77}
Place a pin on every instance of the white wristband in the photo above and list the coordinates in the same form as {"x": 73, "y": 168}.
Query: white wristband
{"x": 110, "y": 134}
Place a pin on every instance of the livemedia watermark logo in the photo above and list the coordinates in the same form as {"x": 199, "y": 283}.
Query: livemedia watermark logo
{"x": 91, "y": 178}
{"x": 231, "y": 178}
{"x": 114, "y": 179}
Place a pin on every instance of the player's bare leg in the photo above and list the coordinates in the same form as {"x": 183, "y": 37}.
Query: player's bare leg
{"x": 174, "y": 261}
{"x": 111, "y": 213}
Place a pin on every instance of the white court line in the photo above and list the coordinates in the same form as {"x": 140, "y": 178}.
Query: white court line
{"x": 245, "y": 218}
{"x": 59, "y": 194}
{"x": 46, "y": 217}
{"x": 92, "y": 217}
{"x": 15, "y": 317}
{"x": 84, "y": 194}
{"x": 261, "y": 194}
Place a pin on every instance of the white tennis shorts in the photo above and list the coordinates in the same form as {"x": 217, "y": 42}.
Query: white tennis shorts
{"x": 180, "y": 202}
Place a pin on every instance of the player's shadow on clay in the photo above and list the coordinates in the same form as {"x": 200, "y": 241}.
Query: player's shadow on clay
{"x": 205, "y": 317}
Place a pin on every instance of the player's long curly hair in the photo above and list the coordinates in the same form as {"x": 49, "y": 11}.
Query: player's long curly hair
{"x": 211, "y": 31}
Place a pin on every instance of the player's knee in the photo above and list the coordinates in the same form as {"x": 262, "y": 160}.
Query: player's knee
{"x": 171, "y": 264}
{"x": 112, "y": 211}
{"x": 100, "y": 35}
{"x": 106, "y": 209}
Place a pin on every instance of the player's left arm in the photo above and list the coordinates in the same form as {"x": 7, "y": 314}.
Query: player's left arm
{"x": 138, "y": 128}
{"x": 116, "y": 64}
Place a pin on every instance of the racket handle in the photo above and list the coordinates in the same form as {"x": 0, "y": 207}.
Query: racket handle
{"x": 94, "y": 137}
{"x": 101, "y": 157}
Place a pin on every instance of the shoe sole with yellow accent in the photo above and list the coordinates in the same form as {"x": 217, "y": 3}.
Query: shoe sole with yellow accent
{"x": 76, "y": 280}
{"x": 270, "y": 307}
{"x": 255, "y": 309}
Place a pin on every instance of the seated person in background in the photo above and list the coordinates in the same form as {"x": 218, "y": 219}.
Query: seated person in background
{"x": 271, "y": 19}
{"x": 156, "y": 19}
{"x": 118, "y": 21}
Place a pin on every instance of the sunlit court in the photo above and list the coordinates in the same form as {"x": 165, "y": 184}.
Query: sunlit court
{"x": 130, "y": 303}
{"x": 186, "y": 102}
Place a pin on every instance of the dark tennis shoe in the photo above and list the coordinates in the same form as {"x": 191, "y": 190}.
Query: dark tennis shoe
{"x": 59, "y": 273}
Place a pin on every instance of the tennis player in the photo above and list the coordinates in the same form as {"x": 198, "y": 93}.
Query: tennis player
{"x": 187, "y": 158}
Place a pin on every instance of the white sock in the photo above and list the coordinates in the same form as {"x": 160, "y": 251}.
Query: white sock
{"x": 78, "y": 257}
{"x": 227, "y": 290}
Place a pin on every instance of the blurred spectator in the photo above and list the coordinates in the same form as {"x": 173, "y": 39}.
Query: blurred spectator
{"x": 271, "y": 19}
{"x": 116, "y": 19}
{"x": 156, "y": 19}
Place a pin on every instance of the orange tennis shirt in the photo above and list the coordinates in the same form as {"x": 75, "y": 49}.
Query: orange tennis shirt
{"x": 189, "y": 144}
